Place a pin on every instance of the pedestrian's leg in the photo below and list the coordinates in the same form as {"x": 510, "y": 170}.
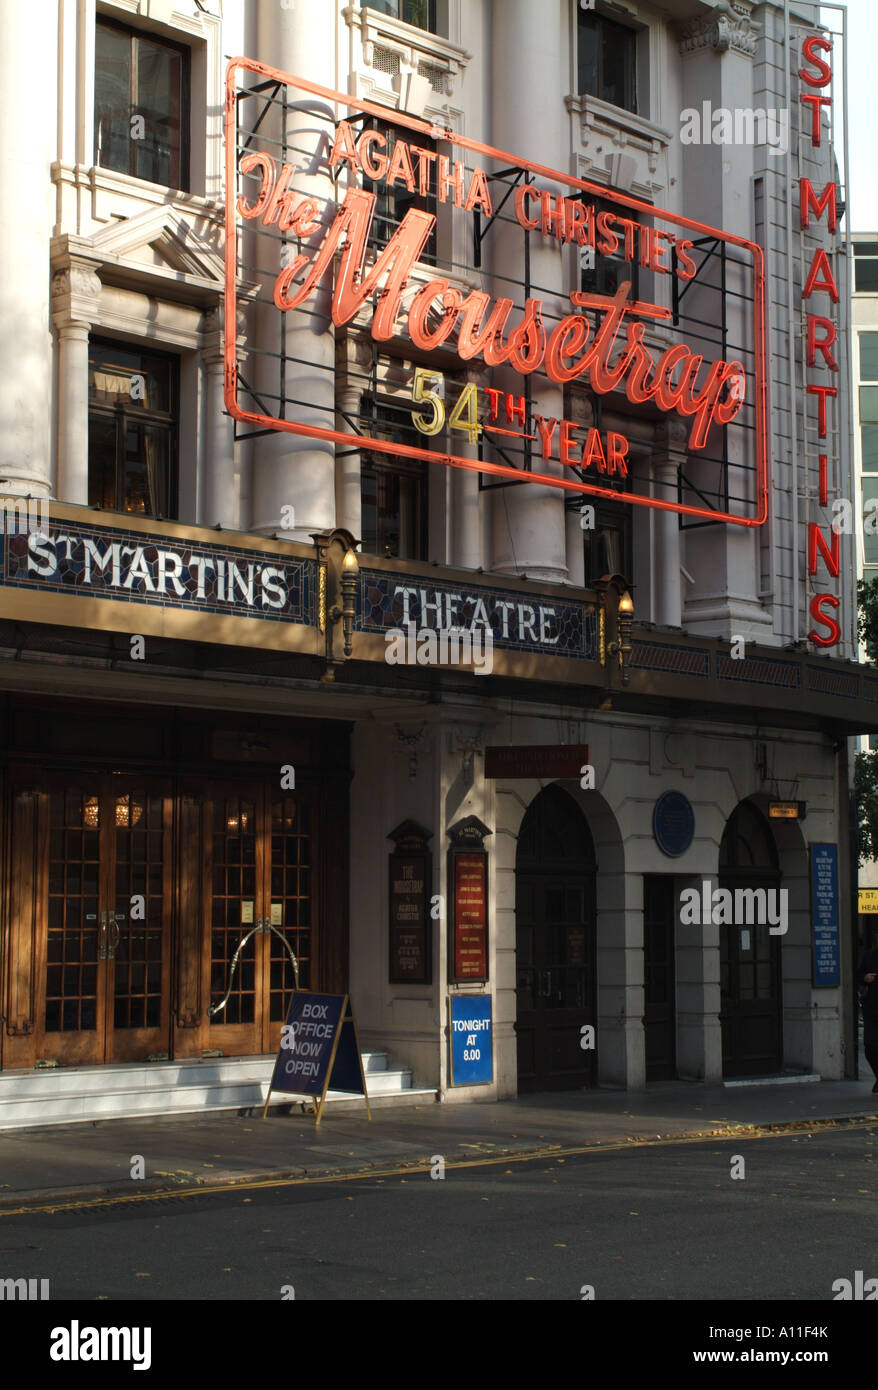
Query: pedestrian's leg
{"x": 870, "y": 1045}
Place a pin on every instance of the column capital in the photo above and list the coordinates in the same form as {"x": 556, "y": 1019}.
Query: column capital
{"x": 727, "y": 27}
{"x": 76, "y": 293}
{"x": 213, "y": 350}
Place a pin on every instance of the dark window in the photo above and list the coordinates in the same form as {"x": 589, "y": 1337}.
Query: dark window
{"x": 607, "y": 60}
{"x": 393, "y": 495}
{"x": 603, "y": 273}
{"x": 132, "y": 430}
{"x": 607, "y": 548}
{"x": 420, "y": 13}
{"x": 392, "y": 203}
{"x": 141, "y": 105}
{"x": 869, "y": 356}
{"x": 873, "y": 743}
{"x": 866, "y": 267}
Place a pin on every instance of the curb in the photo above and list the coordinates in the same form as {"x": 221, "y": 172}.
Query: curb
{"x": 49, "y": 1199}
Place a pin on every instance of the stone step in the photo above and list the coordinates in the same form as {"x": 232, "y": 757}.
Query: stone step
{"x": 133, "y": 1076}
{"x": 74, "y": 1095}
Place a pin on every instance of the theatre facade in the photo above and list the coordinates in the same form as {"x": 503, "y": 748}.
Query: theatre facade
{"x": 418, "y": 578}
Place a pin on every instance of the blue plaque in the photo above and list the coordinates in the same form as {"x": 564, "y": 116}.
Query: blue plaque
{"x": 673, "y": 823}
{"x": 472, "y": 1045}
{"x": 824, "y": 915}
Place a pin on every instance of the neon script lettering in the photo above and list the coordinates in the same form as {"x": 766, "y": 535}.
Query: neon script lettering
{"x": 575, "y": 348}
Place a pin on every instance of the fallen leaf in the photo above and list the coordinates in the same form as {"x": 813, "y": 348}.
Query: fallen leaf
{"x": 143, "y": 1276}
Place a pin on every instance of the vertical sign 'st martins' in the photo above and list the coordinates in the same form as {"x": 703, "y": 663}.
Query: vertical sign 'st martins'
{"x": 820, "y": 280}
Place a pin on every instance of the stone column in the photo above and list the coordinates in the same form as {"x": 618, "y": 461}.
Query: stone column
{"x": 528, "y": 521}
{"x": 466, "y": 523}
{"x": 76, "y": 292}
{"x": 29, "y": 122}
{"x": 348, "y": 488}
{"x": 699, "y": 1031}
{"x": 289, "y": 469}
{"x": 221, "y": 484}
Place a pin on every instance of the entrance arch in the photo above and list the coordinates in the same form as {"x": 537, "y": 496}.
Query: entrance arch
{"x": 555, "y": 877}
{"x": 750, "y": 959}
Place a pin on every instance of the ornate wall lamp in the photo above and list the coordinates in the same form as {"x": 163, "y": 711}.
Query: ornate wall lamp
{"x": 616, "y": 613}
{"x": 337, "y": 571}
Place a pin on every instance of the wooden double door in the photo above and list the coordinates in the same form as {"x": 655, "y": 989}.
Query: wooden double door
{"x": 129, "y": 899}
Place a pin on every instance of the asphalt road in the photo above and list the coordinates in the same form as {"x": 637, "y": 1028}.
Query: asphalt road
{"x": 660, "y": 1223}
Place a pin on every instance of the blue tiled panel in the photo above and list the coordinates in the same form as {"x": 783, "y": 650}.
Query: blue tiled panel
{"x": 62, "y": 564}
{"x": 532, "y": 623}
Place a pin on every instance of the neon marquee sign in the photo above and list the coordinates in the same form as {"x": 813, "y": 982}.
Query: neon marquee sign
{"x": 602, "y": 344}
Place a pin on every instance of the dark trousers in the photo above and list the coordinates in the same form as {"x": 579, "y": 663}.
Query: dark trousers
{"x": 870, "y": 1041}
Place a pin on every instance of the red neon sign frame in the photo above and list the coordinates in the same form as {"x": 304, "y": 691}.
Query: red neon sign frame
{"x": 401, "y": 118}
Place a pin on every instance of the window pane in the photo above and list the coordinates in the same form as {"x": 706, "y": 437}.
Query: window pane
{"x": 869, "y": 438}
{"x": 144, "y": 488}
{"x": 870, "y": 542}
{"x": 617, "y": 59}
{"x": 383, "y": 6}
{"x": 112, "y": 98}
{"x": 866, "y": 275}
{"x": 393, "y": 506}
{"x": 869, "y": 356}
{"x": 419, "y": 13}
{"x": 588, "y": 54}
{"x": 158, "y": 91}
{"x": 869, "y": 404}
{"x": 101, "y": 462}
{"x": 120, "y": 375}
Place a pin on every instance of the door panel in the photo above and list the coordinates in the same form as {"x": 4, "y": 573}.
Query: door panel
{"x": 107, "y": 909}
{"x": 750, "y": 1010}
{"x": 261, "y": 876}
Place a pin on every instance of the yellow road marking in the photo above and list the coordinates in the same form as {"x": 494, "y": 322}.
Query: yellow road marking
{"x": 739, "y": 1134}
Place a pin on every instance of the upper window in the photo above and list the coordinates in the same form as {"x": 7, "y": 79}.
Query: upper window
{"x": 607, "y": 59}
{"x": 866, "y": 266}
{"x": 394, "y": 201}
{"x": 868, "y": 356}
{"x": 393, "y": 493}
{"x": 420, "y": 13}
{"x": 614, "y": 256}
{"x": 608, "y": 547}
{"x": 132, "y": 429}
{"x": 141, "y": 105}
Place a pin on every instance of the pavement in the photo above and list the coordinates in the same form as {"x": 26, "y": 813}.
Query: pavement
{"x": 73, "y": 1163}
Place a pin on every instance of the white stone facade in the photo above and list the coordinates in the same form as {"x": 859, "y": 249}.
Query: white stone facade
{"x": 94, "y": 252}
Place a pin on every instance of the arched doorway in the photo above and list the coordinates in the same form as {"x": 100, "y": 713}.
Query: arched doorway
{"x": 555, "y": 944}
{"x": 750, "y": 967}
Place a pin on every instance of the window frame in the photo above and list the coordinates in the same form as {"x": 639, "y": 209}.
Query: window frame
{"x": 427, "y": 203}
{"x": 590, "y": 18}
{"x": 133, "y": 34}
{"x": 429, "y": 28}
{"x": 381, "y": 419}
{"x": 123, "y": 414}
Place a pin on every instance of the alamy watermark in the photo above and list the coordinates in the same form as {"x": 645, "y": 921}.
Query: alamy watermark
{"x": 738, "y": 907}
{"x": 447, "y": 646}
{"x": 741, "y": 125}
{"x": 24, "y": 516}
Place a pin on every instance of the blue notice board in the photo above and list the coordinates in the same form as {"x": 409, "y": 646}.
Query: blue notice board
{"x": 472, "y": 1039}
{"x": 824, "y": 915}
